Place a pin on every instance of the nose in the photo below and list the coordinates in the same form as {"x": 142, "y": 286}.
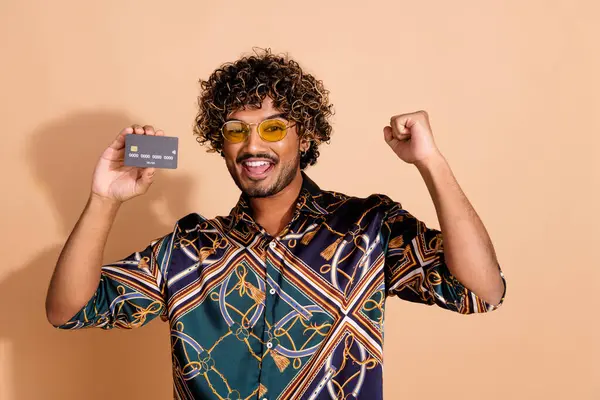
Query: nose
{"x": 254, "y": 143}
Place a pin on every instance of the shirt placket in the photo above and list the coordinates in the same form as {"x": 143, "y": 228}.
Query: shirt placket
{"x": 269, "y": 343}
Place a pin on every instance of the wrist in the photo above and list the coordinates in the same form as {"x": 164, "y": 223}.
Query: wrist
{"x": 431, "y": 163}
{"x": 106, "y": 204}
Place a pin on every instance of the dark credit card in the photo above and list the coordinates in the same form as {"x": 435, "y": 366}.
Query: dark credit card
{"x": 147, "y": 151}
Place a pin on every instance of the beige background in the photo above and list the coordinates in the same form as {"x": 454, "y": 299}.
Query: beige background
{"x": 512, "y": 88}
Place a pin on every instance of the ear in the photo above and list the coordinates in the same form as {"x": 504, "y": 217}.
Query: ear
{"x": 304, "y": 144}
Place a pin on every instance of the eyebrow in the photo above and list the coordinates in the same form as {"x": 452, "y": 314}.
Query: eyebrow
{"x": 278, "y": 115}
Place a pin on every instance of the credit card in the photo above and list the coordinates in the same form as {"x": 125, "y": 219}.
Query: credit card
{"x": 147, "y": 151}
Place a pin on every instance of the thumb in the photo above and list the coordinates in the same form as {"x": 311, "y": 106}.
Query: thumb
{"x": 387, "y": 134}
{"x": 389, "y": 137}
{"x": 143, "y": 183}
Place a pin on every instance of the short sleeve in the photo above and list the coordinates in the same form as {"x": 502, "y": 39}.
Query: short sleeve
{"x": 130, "y": 293}
{"x": 416, "y": 270}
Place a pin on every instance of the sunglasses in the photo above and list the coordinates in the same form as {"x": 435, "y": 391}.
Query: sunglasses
{"x": 270, "y": 130}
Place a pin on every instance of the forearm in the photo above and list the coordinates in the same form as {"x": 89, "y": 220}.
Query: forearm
{"x": 468, "y": 249}
{"x": 77, "y": 273}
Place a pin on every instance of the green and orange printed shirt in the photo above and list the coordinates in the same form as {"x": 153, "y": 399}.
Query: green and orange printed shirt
{"x": 297, "y": 316}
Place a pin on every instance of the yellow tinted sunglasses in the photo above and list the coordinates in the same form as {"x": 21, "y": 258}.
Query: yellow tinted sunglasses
{"x": 270, "y": 130}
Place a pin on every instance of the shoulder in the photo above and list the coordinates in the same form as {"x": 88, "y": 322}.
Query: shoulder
{"x": 197, "y": 223}
{"x": 189, "y": 222}
{"x": 336, "y": 202}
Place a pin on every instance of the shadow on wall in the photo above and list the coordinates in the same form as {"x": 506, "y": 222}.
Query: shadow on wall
{"x": 47, "y": 363}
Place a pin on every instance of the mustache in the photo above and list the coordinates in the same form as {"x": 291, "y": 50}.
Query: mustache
{"x": 243, "y": 157}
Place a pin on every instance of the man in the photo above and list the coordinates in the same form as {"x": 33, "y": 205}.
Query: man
{"x": 284, "y": 297}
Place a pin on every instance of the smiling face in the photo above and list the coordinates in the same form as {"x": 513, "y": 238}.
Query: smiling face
{"x": 260, "y": 168}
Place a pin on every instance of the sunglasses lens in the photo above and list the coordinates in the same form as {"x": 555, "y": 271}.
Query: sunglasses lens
{"x": 273, "y": 130}
{"x": 235, "y": 131}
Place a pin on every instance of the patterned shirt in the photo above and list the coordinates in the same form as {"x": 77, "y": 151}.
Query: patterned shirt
{"x": 297, "y": 316}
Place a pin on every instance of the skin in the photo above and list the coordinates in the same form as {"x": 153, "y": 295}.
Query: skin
{"x": 467, "y": 247}
{"x": 77, "y": 272}
{"x": 272, "y": 199}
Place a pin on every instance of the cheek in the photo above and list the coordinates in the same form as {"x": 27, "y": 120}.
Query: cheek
{"x": 285, "y": 151}
{"x": 230, "y": 153}
{"x": 289, "y": 147}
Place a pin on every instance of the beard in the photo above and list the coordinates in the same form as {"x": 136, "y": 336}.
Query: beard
{"x": 258, "y": 190}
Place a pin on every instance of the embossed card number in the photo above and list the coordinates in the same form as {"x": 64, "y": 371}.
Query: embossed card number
{"x": 151, "y": 151}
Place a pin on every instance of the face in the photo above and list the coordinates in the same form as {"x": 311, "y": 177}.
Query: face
{"x": 260, "y": 168}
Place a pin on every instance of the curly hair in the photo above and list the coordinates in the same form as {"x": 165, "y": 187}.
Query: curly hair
{"x": 246, "y": 82}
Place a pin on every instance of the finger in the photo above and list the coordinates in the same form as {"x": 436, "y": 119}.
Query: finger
{"x": 411, "y": 119}
{"x": 119, "y": 142}
{"x": 149, "y": 130}
{"x": 390, "y": 138}
{"x": 388, "y": 135}
{"x": 119, "y": 155}
{"x": 402, "y": 123}
{"x": 401, "y": 134}
{"x": 149, "y": 173}
{"x": 137, "y": 129}
{"x": 145, "y": 180}
{"x": 160, "y": 132}
{"x": 402, "y": 126}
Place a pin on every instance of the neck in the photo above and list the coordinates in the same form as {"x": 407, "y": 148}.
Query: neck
{"x": 273, "y": 213}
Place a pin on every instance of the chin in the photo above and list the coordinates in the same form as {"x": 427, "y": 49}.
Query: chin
{"x": 252, "y": 187}
{"x": 260, "y": 188}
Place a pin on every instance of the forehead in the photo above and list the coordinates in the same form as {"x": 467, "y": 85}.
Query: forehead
{"x": 255, "y": 114}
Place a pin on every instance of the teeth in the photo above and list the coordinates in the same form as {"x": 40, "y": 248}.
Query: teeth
{"x": 256, "y": 163}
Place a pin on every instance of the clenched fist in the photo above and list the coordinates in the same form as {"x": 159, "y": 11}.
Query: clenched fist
{"x": 410, "y": 136}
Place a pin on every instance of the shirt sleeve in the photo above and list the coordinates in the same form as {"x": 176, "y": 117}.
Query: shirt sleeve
{"x": 130, "y": 293}
{"x": 416, "y": 270}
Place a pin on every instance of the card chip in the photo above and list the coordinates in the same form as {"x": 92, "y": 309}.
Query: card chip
{"x": 134, "y": 148}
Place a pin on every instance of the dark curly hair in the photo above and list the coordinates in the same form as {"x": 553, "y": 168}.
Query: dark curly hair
{"x": 247, "y": 81}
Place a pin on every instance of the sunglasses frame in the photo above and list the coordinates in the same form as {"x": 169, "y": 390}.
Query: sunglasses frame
{"x": 258, "y": 124}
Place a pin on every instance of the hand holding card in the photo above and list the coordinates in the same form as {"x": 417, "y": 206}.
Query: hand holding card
{"x": 117, "y": 180}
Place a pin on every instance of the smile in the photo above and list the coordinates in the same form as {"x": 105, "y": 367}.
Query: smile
{"x": 257, "y": 168}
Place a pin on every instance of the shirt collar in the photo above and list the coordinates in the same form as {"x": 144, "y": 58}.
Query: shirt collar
{"x": 309, "y": 202}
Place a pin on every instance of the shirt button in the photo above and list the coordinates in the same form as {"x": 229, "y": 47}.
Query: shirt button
{"x": 272, "y": 291}
{"x": 269, "y": 345}
{"x": 272, "y": 245}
